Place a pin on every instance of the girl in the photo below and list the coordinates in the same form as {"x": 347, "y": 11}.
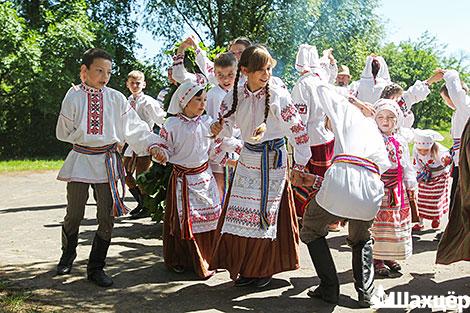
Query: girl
{"x": 391, "y": 229}
{"x": 193, "y": 202}
{"x": 431, "y": 161}
{"x": 258, "y": 233}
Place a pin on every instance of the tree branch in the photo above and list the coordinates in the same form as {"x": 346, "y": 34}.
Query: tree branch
{"x": 188, "y": 22}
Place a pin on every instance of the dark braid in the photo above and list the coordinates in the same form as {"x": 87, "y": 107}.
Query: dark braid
{"x": 235, "y": 94}
{"x": 266, "y": 103}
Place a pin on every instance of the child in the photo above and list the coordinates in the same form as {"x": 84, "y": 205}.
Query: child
{"x": 151, "y": 113}
{"x": 373, "y": 80}
{"x": 94, "y": 118}
{"x": 238, "y": 45}
{"x": 258, "y": 233}
{"x": 454, "y": 93}
{"x": 431, "y": 161}
{"x": 406, "y": 99}
{"x": 193, "y": 202}
{"x": 305, "y": 97}
{"x": 350, "y": 190}
{"x": 225, "y": 71}
{"x": 391, "y": 229}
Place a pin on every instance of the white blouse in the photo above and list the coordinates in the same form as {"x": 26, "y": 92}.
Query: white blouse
{"x": 305, "y": 97}
{"x": 283, "y": 119}
{"x": 187, "y": 141}
{"x": 95, "y": 118}
{"x": 462, "y": 106}
{"x": 351, "y": 191}
{"x": 416, "y": 93}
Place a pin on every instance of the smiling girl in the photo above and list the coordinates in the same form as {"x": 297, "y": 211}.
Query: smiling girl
{"x": 258, "y": 227}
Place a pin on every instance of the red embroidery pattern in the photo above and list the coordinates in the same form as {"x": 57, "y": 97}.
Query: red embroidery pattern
{"x": 95, "y": 114}
{"x": 223, "y": 107}
{"x": 288, "y": 113}
{"x": 133, "y": 103}
{"x": 246, "y": 216}
{"x": 238, "y": 149}
{"x": 301, "y": 139}
{"x": 297, "y": 128}
{"x": 164, "y": 133}
{"x": 301, "y": 107}
{"x": 178, "y": 59}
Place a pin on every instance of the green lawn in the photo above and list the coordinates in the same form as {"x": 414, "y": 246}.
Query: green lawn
{"x": 29, "y": 165}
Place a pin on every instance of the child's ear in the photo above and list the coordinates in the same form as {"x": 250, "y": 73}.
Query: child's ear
{"x": 244, "y": 70}
{"x": 83, "y": 71}
{"x": 144, "y": 84}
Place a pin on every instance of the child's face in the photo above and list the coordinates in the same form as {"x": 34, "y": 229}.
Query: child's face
{"x": 387, "y": 121}
{"x": 258, "y": 79}
{"x": 342, "y": 80}
{"x": 423, "y": 151}
{"x": 195, "y": 106}
{"x": 98, "y": 74}
{"x": 448, "y": 101}
{"x": 135, "y": 85}
{"x": 237, "y": 50}
{"x": 226, "y": 76}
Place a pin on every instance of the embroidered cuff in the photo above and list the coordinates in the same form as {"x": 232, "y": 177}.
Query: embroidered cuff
{"x": 298, "y": 167}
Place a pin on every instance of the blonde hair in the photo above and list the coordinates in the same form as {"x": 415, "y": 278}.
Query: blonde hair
{"x": 434, "y": 151}
{"x": 136, "y": 75}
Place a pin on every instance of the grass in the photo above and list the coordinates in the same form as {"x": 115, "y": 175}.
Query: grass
{"x": 16, "y": 300}
{"x": 29, "y": 165}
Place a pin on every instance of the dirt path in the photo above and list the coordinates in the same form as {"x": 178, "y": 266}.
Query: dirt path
{"x": 32, "y": 208}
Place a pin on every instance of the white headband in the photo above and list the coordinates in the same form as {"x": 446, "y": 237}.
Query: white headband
{"x": 183, "y": 95}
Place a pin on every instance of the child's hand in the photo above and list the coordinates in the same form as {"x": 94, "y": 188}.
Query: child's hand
{"x": 329, "y": 54}
{"x": 188, "y": 42}
{"x": 158, "y": 155}
{"x": 217, "y": 127}
{"x": 437, "y": 76}
{"x": 297, "y": 178}
{"x": 231, "y": 163}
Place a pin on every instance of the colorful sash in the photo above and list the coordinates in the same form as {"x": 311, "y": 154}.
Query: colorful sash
{"x": 455, "y": 147}
{"x": 186, "y": 225}
{"x": 272, "y": 145}
{"x": 425, "y": 172}
{"x": 119, "y": 207}
{"x": 358, "y": 161}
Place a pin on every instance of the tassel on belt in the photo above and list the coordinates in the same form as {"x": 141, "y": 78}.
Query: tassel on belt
{"x": 271, "y": 145}
{"x": 186, "y": 225}
{"x": 119, "y": 207}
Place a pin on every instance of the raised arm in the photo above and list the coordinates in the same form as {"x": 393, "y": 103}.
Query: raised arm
{"x": 456, "y": 92}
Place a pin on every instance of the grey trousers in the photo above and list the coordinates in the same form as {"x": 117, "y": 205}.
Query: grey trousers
{"x": 77, "y": 196}
{"x": 316, "y": 220}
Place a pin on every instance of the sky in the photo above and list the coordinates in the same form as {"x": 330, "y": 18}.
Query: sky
{"x": 448, "y": 20}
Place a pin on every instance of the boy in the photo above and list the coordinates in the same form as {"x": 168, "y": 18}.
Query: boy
{"x": 94, "y": 118}
{"x": 225, "y": 68}
{"x": 149, "y": 111}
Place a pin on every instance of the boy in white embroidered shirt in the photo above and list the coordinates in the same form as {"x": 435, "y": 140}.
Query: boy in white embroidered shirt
{"x": 149, "y": 111}
{"x": 225, "y": 70}
{"x": 95, "y": 118}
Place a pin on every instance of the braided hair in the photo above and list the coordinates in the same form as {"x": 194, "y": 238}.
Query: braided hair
{"x": 253, "y": 58}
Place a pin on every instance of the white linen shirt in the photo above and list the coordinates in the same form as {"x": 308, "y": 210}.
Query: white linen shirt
{"x": 90, "y": 120}
{"x": 351, "y": 191}
{"x": 462, "y": 107}
{"x": 305, "y": 97}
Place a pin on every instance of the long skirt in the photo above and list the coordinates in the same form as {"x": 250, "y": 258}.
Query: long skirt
{"x": 391, "y": 229}
{"x": 433, "y": 197}
{"x": 260, "y": 257}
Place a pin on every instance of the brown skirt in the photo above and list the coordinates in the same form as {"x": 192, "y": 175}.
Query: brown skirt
{"x": 254, "y": 257}
{"x": 193, "y": 254}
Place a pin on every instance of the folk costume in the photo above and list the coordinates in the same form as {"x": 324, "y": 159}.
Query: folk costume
{"x": 193, "y": 202}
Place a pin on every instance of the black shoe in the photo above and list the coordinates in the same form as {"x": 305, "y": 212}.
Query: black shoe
{"x": 142, "y": 214}
{"x": 100, "y": 278}
{"x": 178, "y": 269}
{"x": 96, "y": 263}
{"x": 317, "y": 293}
{"x": 326, "y": 271}
{"x": 363, "y": 272}
{"x": 69, "y": 245}
{"x": 263, "y": 282}
{"x": 244, "y": 281}
{"x": 136, "y": 210}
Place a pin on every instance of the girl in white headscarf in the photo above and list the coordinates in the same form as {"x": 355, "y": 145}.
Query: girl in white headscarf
{"x": 374, "y": 78}
{"x": 193, "y": 203}
{"x": 391, "y": 229}
{"x": 432, "y": 163}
